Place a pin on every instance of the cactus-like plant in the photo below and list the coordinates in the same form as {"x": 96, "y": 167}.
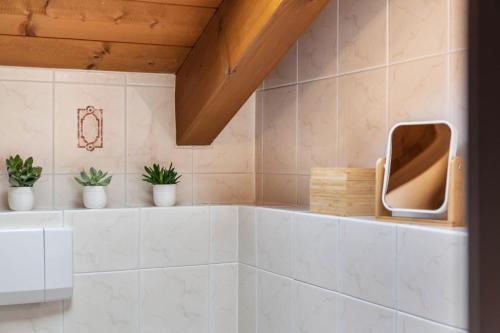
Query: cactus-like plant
{"x": 157, "y": 175}
{"x": 22, "y": 173}
{"x": 93, "y": 178}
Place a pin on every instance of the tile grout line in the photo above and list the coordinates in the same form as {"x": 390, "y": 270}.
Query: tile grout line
{"x": 125, "y": 184}
{"x": 53, "y": 194}
{"x": 387, "y": 60}
{"x": 337, "y": 86}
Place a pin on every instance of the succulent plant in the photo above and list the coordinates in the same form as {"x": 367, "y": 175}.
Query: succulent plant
{"x": 157, "y": 175}
{"x": 93, "y": 178}
{"x": 22, "y": 173}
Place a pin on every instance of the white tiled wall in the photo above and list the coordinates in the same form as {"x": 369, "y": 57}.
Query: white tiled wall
{"x": 362, "y": 66}
{"x": 39, "y": 119}
{"x": 229, "y": 269}
{"x": 349, "y": 275}
{"x": 137, "y": 270}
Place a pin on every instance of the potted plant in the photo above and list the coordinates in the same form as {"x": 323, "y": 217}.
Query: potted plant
{"x": 22, "y": 176}
{"x": 94, "y": 188}
{"x": 164, "y": 183}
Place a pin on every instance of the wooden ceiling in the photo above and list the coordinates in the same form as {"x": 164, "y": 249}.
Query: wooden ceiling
{"x": 121, "y": 35}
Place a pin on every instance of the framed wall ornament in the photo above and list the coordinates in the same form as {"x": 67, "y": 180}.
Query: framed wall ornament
{"x": 90, "y": 128}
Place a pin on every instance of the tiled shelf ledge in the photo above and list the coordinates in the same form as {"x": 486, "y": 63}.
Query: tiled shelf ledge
{"x": 249, "y": 269}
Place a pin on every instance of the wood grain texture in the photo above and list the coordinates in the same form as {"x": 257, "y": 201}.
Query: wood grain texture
{"x": 456, "y": 199}
{"x": 343, "y": 191}
{"x": 197, "y": 3}
{"x": 242, "y": 43}
{"x": 105, "y": 20}
{"x": 78, "y": 54}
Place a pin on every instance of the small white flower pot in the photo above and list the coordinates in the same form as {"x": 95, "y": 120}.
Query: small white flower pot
{"x": 21, "y": 198}
{"x": 94, "y": 197}
{"x": 164, "y": 195}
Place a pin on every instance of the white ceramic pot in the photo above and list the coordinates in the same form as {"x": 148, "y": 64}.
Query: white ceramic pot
{"x": 94, "y": 197}
{"x": 164, "y": 195}
{"x": 21, "y": 198}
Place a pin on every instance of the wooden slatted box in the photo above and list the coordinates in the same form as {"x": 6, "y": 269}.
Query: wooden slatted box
{"x": 343, "y": 191}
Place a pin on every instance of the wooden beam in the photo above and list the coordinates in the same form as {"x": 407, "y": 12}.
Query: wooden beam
{"x": 106, "y": 20}
{"x": 78, "y": 54}
{"x": 242, "y": 43}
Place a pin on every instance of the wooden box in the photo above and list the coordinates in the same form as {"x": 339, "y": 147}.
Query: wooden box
{"x": 343, "y": 191}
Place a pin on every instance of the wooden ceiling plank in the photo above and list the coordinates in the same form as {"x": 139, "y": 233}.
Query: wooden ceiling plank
{"x": 105, "y": 20}
{"x": 77, "y": 54}
{"x": 196, "y": 3}
{"x": 242, "y": 43}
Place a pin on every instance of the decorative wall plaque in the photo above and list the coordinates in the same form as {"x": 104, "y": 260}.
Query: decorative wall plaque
{"x": 90, "y": 128}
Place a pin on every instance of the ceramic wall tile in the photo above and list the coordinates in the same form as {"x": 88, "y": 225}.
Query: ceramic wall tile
{"x": 247, "y": 235}
{"x": 224, "y": 298}
{"x": 223, "y": 188}
{"x": 247, "y": 299}
{"x": 362, "y": 34}
{"x": 410, "y": 324}
{"x": 24, "y": 74}
{"x": 274, "y": 236}
{"x": 233, "y": 149}
{"x": 68, "y": 193}
{"x": 317, "y": 46}
{"x": 71, "y": 97}
{"x": 367, "y": 261}
{"x": 150, "y": 79}
{"x": 362, "y": 113}
{"x": 458, "y": 98}
{"x": 26, "y": 120}
{"x": 279, "y": 189}
{"x": 418, "y": 28}
{"x": 317, "y": 127}
{"x": 315, "y": 250}
{"x": 258, "y": 139}
{"x": 274, "y": 307}
{"x": 21, "y": 220}
{"x": 418, "y": 90}
{"x": 174, "y": 300}
{"x": 285, "y": 72}
{"x": 32, "y": 318}
{"x": 90, "y": 77}
{"x": 103, "y": 303}
{"x": 151, "y": 130}
{"x": 459, "y": 24}
{"x": 423, "y": 255}
{"x": 357, "y": 316}
{"x": 187, "y": 232}
{"x": 140, "y": 193}
{"x": 224, "y": 234}
{"x": 280, "y": 113}
{"x": 314, "y": 309}
{"x": 104, "y": 240}
{"x": 303, "y": 195}
{"x": 259, "y": 190}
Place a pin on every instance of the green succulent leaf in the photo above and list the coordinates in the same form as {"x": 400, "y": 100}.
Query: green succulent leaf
{"x": 93, "y": 178}
{"x": 157, "y": 175}
{"x": 22, "y": 173}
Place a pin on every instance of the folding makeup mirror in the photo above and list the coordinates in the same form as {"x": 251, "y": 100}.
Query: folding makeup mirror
{"x": 417, "y": 169}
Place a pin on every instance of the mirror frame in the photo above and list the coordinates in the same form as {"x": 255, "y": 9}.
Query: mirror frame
{"x": 387, "y": 172}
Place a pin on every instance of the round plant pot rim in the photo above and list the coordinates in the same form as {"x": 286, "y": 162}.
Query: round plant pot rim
{"x": 164, "y": 184}
{"x": 93, "y": 186}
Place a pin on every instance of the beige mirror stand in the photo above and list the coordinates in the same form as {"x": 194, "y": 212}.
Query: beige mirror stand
{"x": 455, "y": 216}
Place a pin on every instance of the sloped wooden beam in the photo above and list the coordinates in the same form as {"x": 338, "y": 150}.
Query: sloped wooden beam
{"x": 241, "y": 44}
